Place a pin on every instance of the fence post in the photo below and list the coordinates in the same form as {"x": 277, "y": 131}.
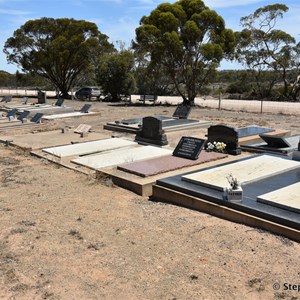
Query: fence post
{"x": 261, "y": 106}
{"x": 219, "y": 101}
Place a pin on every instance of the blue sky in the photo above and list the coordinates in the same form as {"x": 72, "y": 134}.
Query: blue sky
{"x": 119, "y": 18}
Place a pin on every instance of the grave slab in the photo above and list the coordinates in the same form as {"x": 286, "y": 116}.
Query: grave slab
{"x": 287, "y": 197}
{"x": 168, "y": 163}
{"x": 246, "y": 171}
{"x": 88, "y": 147}
{"x": 68, "y": 115}
{"x": 121, "y": 156}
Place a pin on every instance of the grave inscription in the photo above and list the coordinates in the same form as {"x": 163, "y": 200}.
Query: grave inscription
{"x": 189, "y": 147}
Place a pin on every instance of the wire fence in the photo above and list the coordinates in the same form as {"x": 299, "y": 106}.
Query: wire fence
{"x": 256, "y": 106}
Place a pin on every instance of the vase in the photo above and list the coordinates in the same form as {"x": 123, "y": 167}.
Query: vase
{"x": 234, "y": 195}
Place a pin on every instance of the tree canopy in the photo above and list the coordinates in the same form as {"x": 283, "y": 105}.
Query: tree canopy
{"x": 57, "y": 49}
{"x": 188, "y": 39}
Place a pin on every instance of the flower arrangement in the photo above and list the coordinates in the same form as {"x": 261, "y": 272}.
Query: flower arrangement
{"x": 215, "y": 147}
{"x": 233, "y": 182}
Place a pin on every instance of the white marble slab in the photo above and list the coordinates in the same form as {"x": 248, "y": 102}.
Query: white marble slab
{"x": 88, "y": 147}
{"x": 121, "y": 156}
{"x": 68, "y": 115}
{"x": 287, "y": 197}
{"x": 245, "y": 171}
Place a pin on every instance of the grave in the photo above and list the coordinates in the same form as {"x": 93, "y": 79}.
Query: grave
{"x": 154, "y": 166}
{"x": 287, "y": 197}
{"x": 42, "y": 99}
{"x": 152, "y": 132}
{"x": 85, "y": 108}
{"x": 273, "y": 144}
{"x": 120, "y": 156}
{"x": 259, "y": 175}
{"x": 296, "y": 153}
{"x": 59, "y": 102}
{"x": 88, "y": 147}
{"x": 37, "y": 118}
{"x": 23, "y": 116}
{"x": 82, "y": 128}
{"x": 189, "y": 147}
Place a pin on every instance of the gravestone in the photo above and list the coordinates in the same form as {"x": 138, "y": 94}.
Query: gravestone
{"x": 275, "y": 141}
{"x": 23, "y": 115}
{"x": 296, "y": 154}
{"x": 37, "y": 118}
{"x": 189, "y": 147}
{"x": 6, "y": 99}
{"x": 182, "y": 111}
{"x": 152, "y": 132}
{"x": 225, "y": 134}
{"x": 25, "y": 100}
{"x": 42, "y": 99}
{"x": 11, "y": 114}
{"x": 59, "y": 102}
{"x": 85, "y": 108}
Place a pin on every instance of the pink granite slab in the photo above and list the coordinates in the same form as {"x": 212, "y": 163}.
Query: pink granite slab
{"x": 167, "y": 163}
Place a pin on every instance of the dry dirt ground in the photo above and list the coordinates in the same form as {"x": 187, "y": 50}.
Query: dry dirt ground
{"x": 65, "y": 235}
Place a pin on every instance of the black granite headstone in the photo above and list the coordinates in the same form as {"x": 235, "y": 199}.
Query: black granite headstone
{"x": 275, "y": 141}
{"x": 37, "y": 118}
{"x": 299, "y": 145}
{"x": 225, "y": 134}
{"x": 23, "y": 115}
{"x": 189, "y": 147}
{"x": 6, "y": 99}
{"x": 59, "y": 102}
{"x": 152, "y": 132}
{"x": 12, "y": 113}
{"x": 42, "y": 99}
{"x": 85, "y": 108}
{"x": 182, "y": 111}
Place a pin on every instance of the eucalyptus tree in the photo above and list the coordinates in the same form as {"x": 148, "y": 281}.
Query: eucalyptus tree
{"x": 187, "y": 40}
{"x": 262, "y": 47}
{"x": 56, "y": 49}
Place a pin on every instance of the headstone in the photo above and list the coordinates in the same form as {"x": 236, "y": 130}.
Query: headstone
{"x": 37, "y": 118}
{"x": 275, "y": 141}
{"x": 42, "y": 99}
{"x": 59, "y": 102}
{"x": 85, "y": 108}
{"x": 182, "y": 111}
{"x": 25, "y": 100}
{"x": 189, "y": 147}
{"x": 296, "y": 154}
{"x": 152, "y": 132}
{"x": 23, "y": 115}
{"x": 82, "y": 128}
{"x": 11, "y": 114}
{"x": 225, "y": 134}
{"x": 6, "y": 99}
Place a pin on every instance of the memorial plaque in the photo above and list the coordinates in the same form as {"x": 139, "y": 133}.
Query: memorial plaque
{"x": 59, "y": 102}
{"x": 85, "y": 108}
{"x": 182, "y": 111}
{"x": 275, "y": 141}
{"x": 23, "y": 115}
{"x": 37, "y": 118}
{"x": 12, "y": 113}
{"x": 189, "y": 147}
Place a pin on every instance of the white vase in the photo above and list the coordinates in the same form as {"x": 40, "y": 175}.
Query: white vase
{"x": 234, "y": 195}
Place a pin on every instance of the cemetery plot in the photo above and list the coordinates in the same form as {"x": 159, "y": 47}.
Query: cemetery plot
{"x": 88, "y": 147}
{"x": 168, "y": 163}
{"x": 246, "y": 171}
{"x": 287, "y": 197}
{"x": 120, "y": 156}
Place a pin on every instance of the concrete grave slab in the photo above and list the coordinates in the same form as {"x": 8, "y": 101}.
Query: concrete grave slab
{"x": 89, "y": 147}
{"x": 81, "y": 128}
{"x": 121, "y": 156}
{"x": 168, "y": 163}
{"x": 245, "y": 171}
{"x": 68, "y": 115}
{"x": 40, "y": 140}
{"x": 287, "y": 197}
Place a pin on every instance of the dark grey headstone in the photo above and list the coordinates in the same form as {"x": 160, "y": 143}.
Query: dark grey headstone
{"x": 25, "y": 100}
{"x": 23, "y": 115}
{"x": 225, "y": 134}
{"x": 12, "y": 113}
{"x": 37, "y": 118}
{"x": 189, "y": 147}
{"x": 85, "y": 108}
{"x": 6, "y": 99}
{"x": 59, "y": 102}
{"x": 42, "y": 99}
{"x": 299, "y": 145}
{"x": 152, "y": 132}
{"x": 252, "y": 130}
{"x": 182, "y": 111}
{"x": 275, "y": 141}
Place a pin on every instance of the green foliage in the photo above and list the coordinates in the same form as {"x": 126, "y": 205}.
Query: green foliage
{"x": 114, "y": 74}
{"x": 187, "y": 40}
{"x": 56, "y": 49}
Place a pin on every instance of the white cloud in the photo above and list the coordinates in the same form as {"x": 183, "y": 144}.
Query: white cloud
{"x": 14, "y": 12}
{"x": 229, "y": 3}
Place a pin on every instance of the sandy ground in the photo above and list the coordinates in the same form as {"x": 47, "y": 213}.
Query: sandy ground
{"x": 65, "y": 235}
